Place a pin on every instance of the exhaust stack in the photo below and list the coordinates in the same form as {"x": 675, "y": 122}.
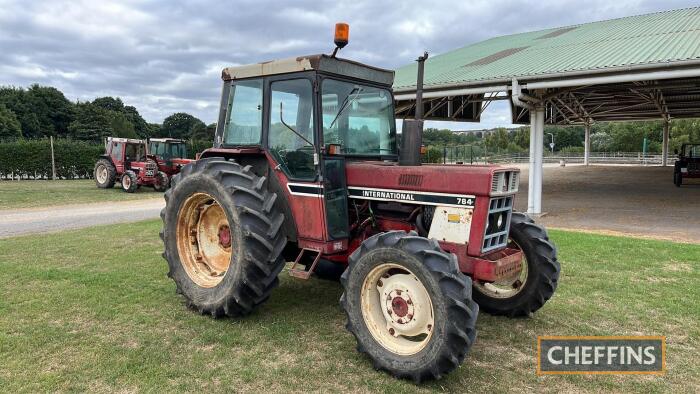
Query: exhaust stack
{"x": 412, "y": 129}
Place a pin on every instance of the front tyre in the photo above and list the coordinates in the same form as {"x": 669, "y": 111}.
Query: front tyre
{"x": 409, "y": 306}
{"x": 162, "y": 182}
{"x": 129, "y": 181}
{"x": 223, "y": 238}
{"x": 526, "y": 293}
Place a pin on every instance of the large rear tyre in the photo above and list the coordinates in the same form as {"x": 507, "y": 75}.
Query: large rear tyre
{"x": 223, "y": 238}
{"x": 409, "y": 306}
{"x": 105, "y": 174}
{"x": 129, "y": 182}
{"x": 538, "y": 278}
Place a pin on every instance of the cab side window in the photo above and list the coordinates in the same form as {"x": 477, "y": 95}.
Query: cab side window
{"x": 244, "y": 119}
{"x": 291, "y": 128}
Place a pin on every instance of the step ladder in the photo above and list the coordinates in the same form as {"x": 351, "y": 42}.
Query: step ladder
{"x": 303, "y": 273}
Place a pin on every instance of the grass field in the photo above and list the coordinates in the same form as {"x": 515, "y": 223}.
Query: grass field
{"x": 31, "y": 194}
{"x": 81, "y": 313}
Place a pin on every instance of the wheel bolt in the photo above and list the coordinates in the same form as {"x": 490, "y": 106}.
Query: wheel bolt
{"x": 380, "y": 283}
{"x": 430, "y": 327}
{"x": 409, "y": 317}
{"x": 398, "y": 292}
{"x": 391, "y": 331}
{"x": 389, "y": 311}
{"x": 409, "y": 302}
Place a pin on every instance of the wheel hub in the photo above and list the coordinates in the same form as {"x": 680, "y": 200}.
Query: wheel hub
{"x": 204, "y": 240}
{"x": 407, "y": 309}
{"x": 225, "y": 236}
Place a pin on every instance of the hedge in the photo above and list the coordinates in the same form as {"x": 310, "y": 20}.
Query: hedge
{"x": 31, "y": 159}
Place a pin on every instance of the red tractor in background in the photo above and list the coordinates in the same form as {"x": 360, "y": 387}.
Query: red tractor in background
{"x": 170, "y": 154}
{"x": 128, "y": 161}
{"x": 306, "y": 168}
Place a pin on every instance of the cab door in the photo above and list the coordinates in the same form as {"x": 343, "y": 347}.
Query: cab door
{"x": 292, "y": 145}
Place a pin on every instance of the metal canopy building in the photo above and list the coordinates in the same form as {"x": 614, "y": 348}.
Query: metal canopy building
{"x": 635, "y": 68}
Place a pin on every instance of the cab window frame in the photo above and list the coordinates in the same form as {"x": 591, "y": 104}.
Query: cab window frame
{"x": 311, "y": 76}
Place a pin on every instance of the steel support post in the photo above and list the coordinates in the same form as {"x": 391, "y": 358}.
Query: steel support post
{"x": 587, "y": 145}
{"x": 534, "y": 194}
{"x": 664, "y": 149}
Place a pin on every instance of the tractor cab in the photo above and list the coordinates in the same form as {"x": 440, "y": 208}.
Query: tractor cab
{"x": 309, "y": 116}
{"x": 169, "y": 153}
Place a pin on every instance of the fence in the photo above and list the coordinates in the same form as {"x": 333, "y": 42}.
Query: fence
{"x": 638, "y": 158}
{"x": 477, "y": 154}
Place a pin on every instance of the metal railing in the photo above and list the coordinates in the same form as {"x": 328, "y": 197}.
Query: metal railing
{"x": 638, "y": 158}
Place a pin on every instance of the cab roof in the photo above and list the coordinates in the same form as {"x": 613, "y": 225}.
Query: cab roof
{"x": 165, "y": 140}
{"x": 323, "y": 63}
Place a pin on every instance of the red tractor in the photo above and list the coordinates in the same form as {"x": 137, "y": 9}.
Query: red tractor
{"x": 305, "y": 167}
{"x": 128, "y": 161}
{"x": 688, "y": 164}
{"x": 170, "y": 154}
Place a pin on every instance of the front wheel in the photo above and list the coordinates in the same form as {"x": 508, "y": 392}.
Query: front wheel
{"x": 162, "y": 182}
{"x": 409, "y": 306}
{"x": 539, "y": 275}
{"x": 129, "y": 182}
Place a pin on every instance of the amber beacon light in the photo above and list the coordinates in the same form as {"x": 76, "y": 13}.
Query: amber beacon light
{"x": 342, "y": 35}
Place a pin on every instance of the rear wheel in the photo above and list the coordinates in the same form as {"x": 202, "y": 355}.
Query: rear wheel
{"x": 539, "y": 275}
{"x": 223, "y": 238}
{"x": 677, "y": 179}
{"x": 408, "y": 306}
{"x": 105, "y": 174}
{"x": 129, "y": 181}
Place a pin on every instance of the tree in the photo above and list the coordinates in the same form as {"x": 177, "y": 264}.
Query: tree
{"x": 10, "y": 128}
{"x": 53, "y": 109}
{"x": 203, "y": 133}
{"x": 92, "y": 123}
{"x": 141, "y": 127}
{"x": 40, "y": 110}
{"x": 181, "y": 125}
{"x": 109, "y": 103}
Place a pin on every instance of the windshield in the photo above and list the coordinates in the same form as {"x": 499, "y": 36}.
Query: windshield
{"x": 692, "y": 151}
{"x": 359, "y": 118}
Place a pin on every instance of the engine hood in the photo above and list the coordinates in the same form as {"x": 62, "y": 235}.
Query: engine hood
{"x": 442, "y": 178}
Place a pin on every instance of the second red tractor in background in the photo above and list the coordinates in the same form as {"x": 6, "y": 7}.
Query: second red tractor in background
{"x": 126, "y": 160}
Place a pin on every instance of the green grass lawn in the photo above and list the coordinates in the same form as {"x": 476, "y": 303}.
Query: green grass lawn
{"x": 93, "y": 310}
{"x": 41, "y": 193}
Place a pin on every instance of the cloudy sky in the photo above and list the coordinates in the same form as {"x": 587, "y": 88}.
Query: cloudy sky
{"x": 167, "y": 56}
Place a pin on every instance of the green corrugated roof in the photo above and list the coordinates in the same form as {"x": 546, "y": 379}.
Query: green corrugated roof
{"x": 658, "y": 38}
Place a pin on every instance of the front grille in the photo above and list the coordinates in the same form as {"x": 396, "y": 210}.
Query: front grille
{"x": 505, "y": 182}
{"x": 497, "y": 223}
{"x": 410, "y": 180}
{"x": 151, "y": 165}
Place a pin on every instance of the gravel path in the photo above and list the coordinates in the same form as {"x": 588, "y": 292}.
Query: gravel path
{"x": 51, "y": 219}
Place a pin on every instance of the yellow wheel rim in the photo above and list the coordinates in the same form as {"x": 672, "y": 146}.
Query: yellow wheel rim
{"x": 204, "y": 240}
